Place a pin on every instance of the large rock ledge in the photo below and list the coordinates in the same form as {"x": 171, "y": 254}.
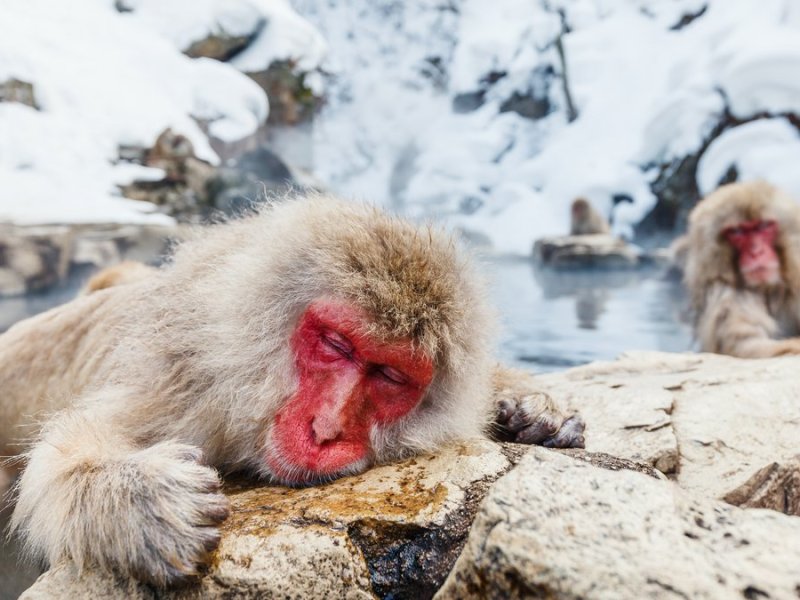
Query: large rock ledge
{"x": 559, "y": 528}
{"x": 395, "y": 530}
{"x": 723, "y": 427}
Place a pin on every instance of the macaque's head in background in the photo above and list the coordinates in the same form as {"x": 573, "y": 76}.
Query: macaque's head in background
{"x": 580, "y": 208}
{"x": 756, "y": 255}
{"x": 585, "y": 220}
{"x": 360, "y": 338}
{"x": 745, "y": 235}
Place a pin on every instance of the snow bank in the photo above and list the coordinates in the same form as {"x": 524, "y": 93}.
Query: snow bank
{"x": 767, "y": 149}
{"x": 649, "y": 81}
{"x": 280, "y": 33}
{"x": 103, "y": 79}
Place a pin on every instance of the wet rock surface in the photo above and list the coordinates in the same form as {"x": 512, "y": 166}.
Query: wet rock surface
{"x": 394, "y": 531}
{"x": 35, "y": 258}
{"x": 560, "y": 528}
{"x": 586, "y": 251}
{"x": 722, "y": 427}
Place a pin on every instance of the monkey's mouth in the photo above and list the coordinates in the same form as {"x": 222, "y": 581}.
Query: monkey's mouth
{"x": 298, "y": 461}
{"x": 761, "y": 275}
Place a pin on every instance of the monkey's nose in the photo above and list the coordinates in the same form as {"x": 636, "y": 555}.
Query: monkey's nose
{"x": 325, "y": 428}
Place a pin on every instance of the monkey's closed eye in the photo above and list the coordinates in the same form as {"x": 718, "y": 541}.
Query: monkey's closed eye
{"x": 339, "y": 343}
{"x": 392, "y": 375}
{"x": 764, "y": 225}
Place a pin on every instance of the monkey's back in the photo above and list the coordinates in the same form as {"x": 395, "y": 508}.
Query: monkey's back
{"x": 47, "y": 360}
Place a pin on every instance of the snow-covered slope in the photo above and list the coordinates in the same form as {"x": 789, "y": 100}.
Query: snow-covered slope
{"x": 104, "y": 78}
{"x": 648, "y": 79}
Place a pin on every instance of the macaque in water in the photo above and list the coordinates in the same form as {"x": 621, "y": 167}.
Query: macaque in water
{"x": 299, "y": 345}
{"x": 743, "y": 271}
{"x": 585, "y": 220}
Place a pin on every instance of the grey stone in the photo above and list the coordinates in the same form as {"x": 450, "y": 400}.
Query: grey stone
{"x": 559, "y": 528}
{"x": 723, "y": 427}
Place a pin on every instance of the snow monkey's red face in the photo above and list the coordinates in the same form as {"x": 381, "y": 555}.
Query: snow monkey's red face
{"x": 756, "y": 255}
{"x": 351, "y": 384}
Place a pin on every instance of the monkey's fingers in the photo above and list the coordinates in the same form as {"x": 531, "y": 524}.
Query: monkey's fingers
{"x": 570, "y": 435}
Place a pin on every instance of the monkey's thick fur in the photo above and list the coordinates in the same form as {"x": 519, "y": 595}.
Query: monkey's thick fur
{"x": 186, "y": 366}
{"x": 730, "y": 317}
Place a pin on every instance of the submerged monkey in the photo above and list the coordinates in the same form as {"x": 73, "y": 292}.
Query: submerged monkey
{"x": 742, "y": 261}
{"x": 301, "y": 344}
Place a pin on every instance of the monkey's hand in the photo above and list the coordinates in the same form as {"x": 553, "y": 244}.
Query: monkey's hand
{"x": 529, "y": 416}
{"x": 150, "y": 513}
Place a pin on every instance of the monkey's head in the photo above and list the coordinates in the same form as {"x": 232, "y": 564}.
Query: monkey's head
{"x": 358, "y": 337}
{"x": 745, "y": 235}
{"x": 580, "y": 208}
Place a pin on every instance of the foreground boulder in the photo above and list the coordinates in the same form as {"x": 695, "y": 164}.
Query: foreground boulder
{"x": 395, "y": 530}
{"x": 559, "y": 528}
{"x": 723, "y": 427}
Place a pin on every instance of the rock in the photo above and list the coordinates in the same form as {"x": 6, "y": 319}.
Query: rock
{"x": 251, "y": 178}
{"x": 182, "y": 192}
{"x": 15, "y": 90}
{"x": 291, "y": 100}
{"x": 583, "y": 251}
{"x": 36, "y": 258}
{"x": 393, "y": 531}
{"x": 223, "y": 45}
{"x": 192, "y": 190}
{"x": 723, "y": 427}
{"x": 468, "y": 101}
{"x": 559, "y": 528}
{"x": 33, "y": 258}
{"x": 533, "y": 103}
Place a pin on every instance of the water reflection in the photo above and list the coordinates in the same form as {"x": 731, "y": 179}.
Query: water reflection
{"x": 554, "y": 320}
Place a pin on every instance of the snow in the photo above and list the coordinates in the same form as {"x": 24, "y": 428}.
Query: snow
{"x": 103, "y": 79}
{"x": 767, "y": 149}
{"x": 280, "y": 33}
{"x": 646, "y": 92}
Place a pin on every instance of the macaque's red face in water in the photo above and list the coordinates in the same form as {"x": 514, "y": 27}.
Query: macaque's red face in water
{"x": 348, "y": 384}
{"x": 754, "y": 242}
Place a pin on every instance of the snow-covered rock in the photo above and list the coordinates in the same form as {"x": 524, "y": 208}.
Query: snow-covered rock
{"x": 106, "y": 76}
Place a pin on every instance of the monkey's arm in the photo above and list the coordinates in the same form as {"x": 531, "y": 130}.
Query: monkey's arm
{"x": 91, "y": 494}
{"x": 737, "y": 323}
{"x": 527, "y": 415}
